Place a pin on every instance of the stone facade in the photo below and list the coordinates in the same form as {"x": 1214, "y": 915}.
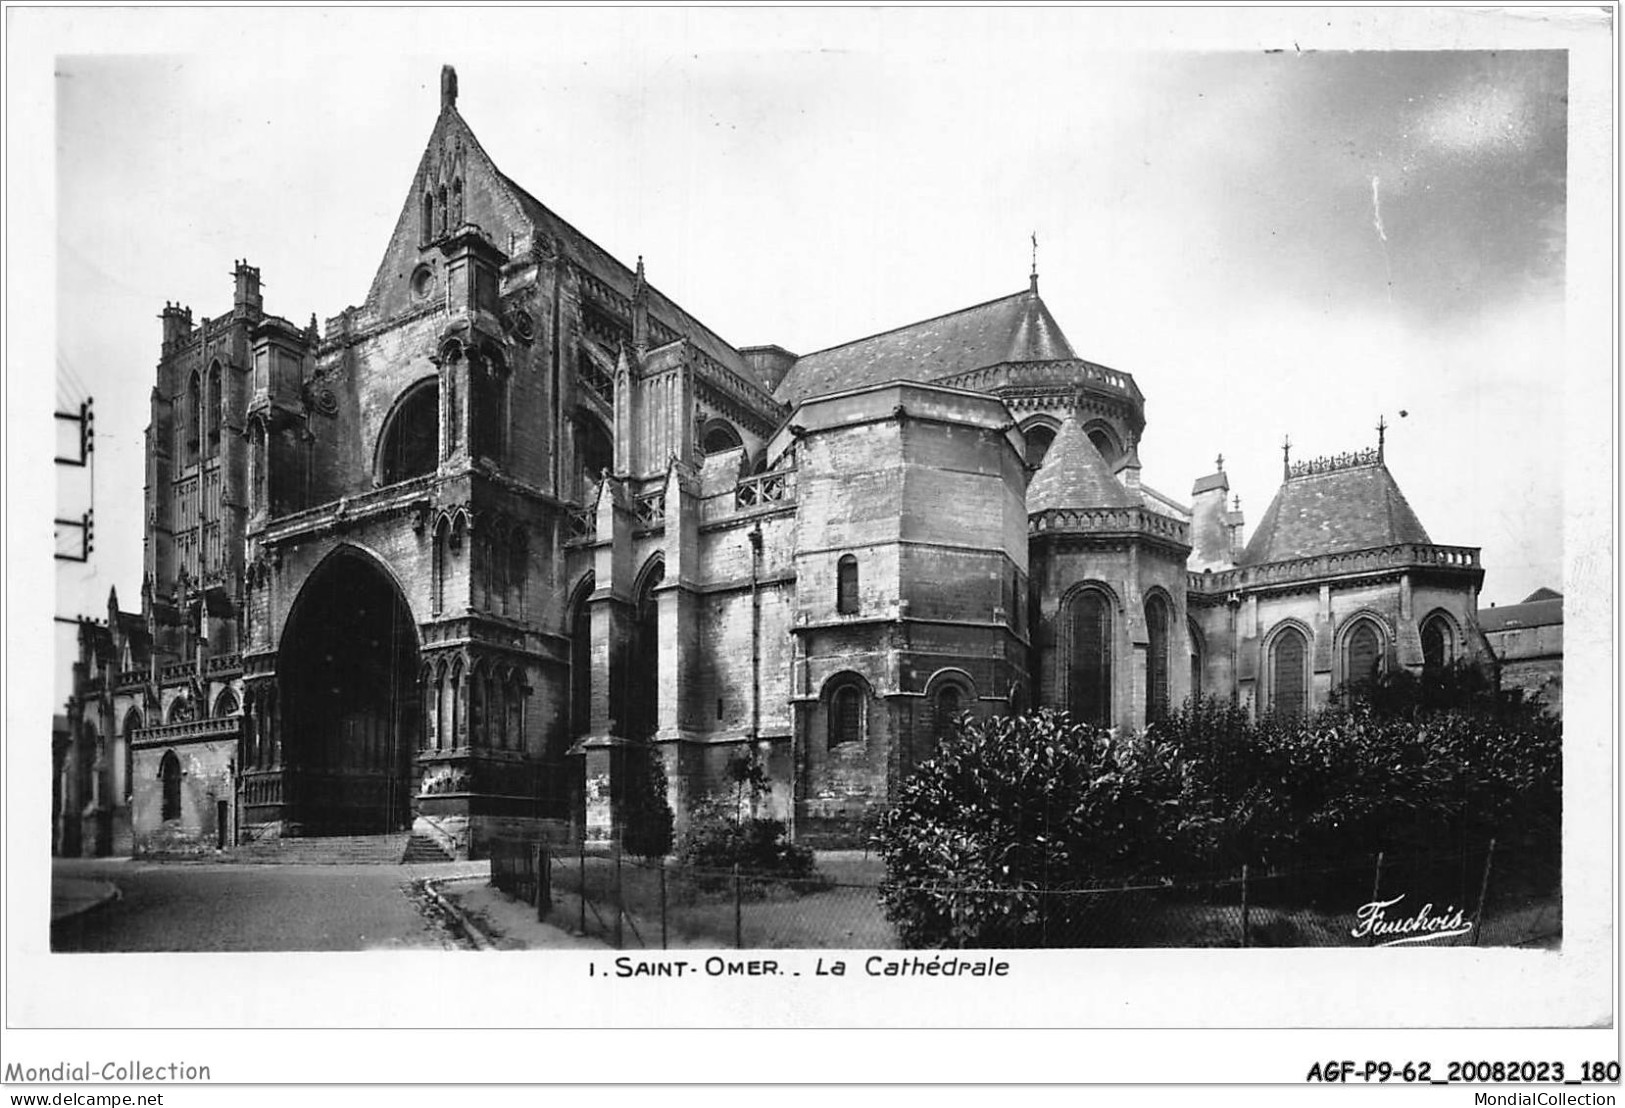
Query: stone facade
{"x": 446, "y": 561}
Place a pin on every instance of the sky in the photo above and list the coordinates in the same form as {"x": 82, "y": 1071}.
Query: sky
{"x": 1285, "y": 222}
{"x": 1275, "y": 238}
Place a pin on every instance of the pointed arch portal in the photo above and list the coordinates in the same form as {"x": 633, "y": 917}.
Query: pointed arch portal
{"x": 348, "y": 681}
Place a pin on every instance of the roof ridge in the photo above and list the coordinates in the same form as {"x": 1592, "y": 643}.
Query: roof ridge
{"x": 526, "y": 194}
{"x": 916, "y": 323}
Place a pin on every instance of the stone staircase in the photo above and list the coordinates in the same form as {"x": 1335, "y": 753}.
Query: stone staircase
{"x": 422, "y": 849}
{"x": 327, "y": 850}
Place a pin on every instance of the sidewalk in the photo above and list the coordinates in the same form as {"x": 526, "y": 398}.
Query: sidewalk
{"x": 506, "y": 923}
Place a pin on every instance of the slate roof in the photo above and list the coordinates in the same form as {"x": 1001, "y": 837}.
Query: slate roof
{"x": 1074, "y": 475}
{"x": 1016, "y": 328}
{"x": 1355, "y": 508}
{"x": 617, "y": 276}
{"x": 1531, "y": 613}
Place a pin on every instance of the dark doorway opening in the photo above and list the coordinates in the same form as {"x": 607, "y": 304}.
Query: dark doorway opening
{"x": 347, "y": 670}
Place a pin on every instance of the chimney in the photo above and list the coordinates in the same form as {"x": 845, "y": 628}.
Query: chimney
{"x": 248, "y": 297}
{"x": 1212, "y": 541}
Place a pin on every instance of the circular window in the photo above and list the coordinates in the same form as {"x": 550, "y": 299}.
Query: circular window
{"x": 422, "y": 282}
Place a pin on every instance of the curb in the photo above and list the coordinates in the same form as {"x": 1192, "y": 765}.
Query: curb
{"x": 113, "y": 893}
{"x": 478, "y": 938}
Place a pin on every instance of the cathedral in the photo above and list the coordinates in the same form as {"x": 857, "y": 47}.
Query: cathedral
{"x": 443, "y": 563}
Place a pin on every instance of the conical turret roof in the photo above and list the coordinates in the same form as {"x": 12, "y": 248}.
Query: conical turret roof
{"x": 1074, "y": 475}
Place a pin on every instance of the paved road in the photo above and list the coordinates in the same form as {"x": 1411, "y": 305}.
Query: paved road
{"x": 193, "y": 906}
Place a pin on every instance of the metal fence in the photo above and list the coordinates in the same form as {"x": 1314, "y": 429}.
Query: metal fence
{"x": 1485, "y": 897}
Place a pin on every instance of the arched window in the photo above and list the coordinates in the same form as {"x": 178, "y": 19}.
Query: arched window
{"x": 457, "y": 202}
{"x": 949, "y": 703}
{"x": 441, "y": 226}
{"x": 213, "y": 413}
{"x": 1089, "y": 676}
{"x": 1104, "y": 441}
{"x": 442, "y": 708}
{"x": 428, "y": 215}
{"x": 1438, "y": 643}
{"x": 581, "y": 661}
{"x": 1289, "y": 680}
{"x": 476, "y": 706}
{"x": 169, "y": 772}
{"x": 846, "y": 714}
{"x": 132, "y": 724}
{"x": 1040, "y": 436}
{"x": 1156, "y": 659}
{"x": 643, "y": 683}
{"x": 1362, "y": 654}
{"x": 490, "y": 396}
{"x": 719, "y": 436}
{"x": 846, "y": 585}
{"x": 595, "y": 452}
{"x": 441, "y": 559}
{"x": 1198, "y": 652}
{"x": 514, "y": 696}
{"x": 458, "y": 734}
{"x": 225, "y": 704}
{"x": 181, "y": 710}
{"x": 189, "y": 421}
{"x": 518, "y": 567}
{"x": 411, "y": 439}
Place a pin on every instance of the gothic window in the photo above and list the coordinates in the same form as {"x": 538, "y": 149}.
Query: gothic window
{"x": 189, "y": 421}
{"x": 410, "y": 445}
{"x": 643, "y": 701}
{"x": 1040, "y": 437}
{"x": 949, "y": 703}
{"x": 132, "y": 724}
{"x": 457, "y": 202}
{"x": 181, "y": 710}
{"x": 428, "y": 215}
{"x": 1104, "y": 441}
{"x": 225, "y": 704}
{"x": 458, "y": 733}
{"x": 442, "y": 708}
{"x": 1289, "y": 678}
{"x": 477, "y": 690}
{"x": 719, "y": 436}
{"x": 1089, "y": 670}
{"x": 1156, "y": 659}
{"x": 846, "y": 714}
{"x": 431, "y": 708}
{"x": 213, "y": 414}
{"x": 581, "y": 661}
{"x": 1198, "y": 650}
{"x": 1437, "y": 643}
{"x": 518, "y": 560}
{"x": 514, "y": 696}
{"x": 169, "y": 772}
{"x": 441, "y": 555}
{"x": 1362, "y": 654}
{"x": 595, "y": 452}
{"x": 441, "y": 226}
{"x": 846, "y": 585}
{"x": 489, "y": 384}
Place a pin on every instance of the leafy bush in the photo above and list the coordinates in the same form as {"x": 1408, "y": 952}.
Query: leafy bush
{"x": 1012, "y": 811}
{"x": 758, "y": 847}
{"x": 1014, "y": 808}
{"x": 647, "y": 813}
